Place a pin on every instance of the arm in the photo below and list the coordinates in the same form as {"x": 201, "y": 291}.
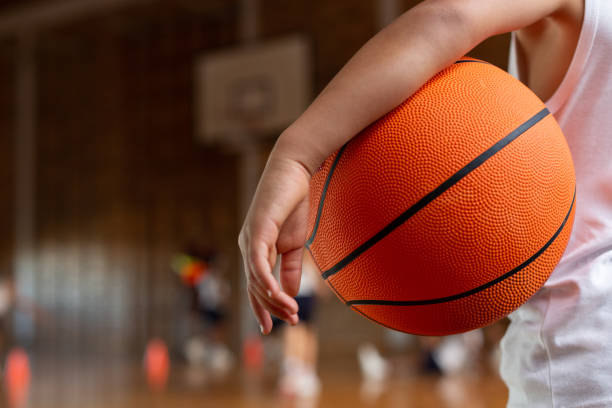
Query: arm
{"x": 382, "y": 74}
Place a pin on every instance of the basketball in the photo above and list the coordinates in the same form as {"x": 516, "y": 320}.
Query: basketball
{"x": 450, "y": 211}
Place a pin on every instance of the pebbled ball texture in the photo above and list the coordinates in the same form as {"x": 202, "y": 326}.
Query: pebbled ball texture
{"x": 484, "y": 244}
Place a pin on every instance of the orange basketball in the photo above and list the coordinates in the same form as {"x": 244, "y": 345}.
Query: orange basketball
{"x": 450, "y": 211}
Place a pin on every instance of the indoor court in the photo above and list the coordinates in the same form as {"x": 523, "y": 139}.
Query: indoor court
{"x": 342, "y": 388}
{"x": 133, "y": 134}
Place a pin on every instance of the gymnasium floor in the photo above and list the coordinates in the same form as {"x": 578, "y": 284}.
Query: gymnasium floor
{"x": 108, "y": 384}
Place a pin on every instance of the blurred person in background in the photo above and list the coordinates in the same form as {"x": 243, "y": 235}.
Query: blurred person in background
{"x": 199, "y": 271}
{"x": 298, "y": 374}
{"x": 472, "y": 351}
{"x": 11, "y": 304}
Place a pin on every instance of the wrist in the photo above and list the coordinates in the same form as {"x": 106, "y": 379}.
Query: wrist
{"x": 300, "y": 146}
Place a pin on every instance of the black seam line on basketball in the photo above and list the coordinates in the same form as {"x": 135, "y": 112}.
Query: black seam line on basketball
{"x": 481, "y": 62}
{"x": 477, "y": 289}
{"x": 329, "y": 283}
{"x": 324, "y": 193}
{"x": 432, "y": 195}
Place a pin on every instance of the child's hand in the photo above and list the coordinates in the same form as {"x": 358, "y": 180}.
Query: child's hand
{"x": 276, "y": 225}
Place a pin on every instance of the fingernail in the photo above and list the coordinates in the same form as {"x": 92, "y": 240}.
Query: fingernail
{"x": 269, "y": 293}
{"x": 261, "y": 329}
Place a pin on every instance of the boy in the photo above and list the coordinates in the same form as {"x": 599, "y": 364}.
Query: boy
{"x": 557, "y": 351}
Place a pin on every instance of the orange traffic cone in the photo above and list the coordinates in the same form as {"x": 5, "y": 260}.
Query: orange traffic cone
{"x": 253, "y": 354}
{"x": 17, "y": 377}
{"x": 157, "y": 365}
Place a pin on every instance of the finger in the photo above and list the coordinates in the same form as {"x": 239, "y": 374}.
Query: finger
{"x": 280, "y": 311}
{"x": 278, "y": 299}
{"x": 255, "y": 293}
{"x": 283, "y": 300}
{"x": 262, "y": 269}
{"x": 269, "y": 286}
{"x": 291, "y": 271}
{"x": 287, "y": 301}
{"x": 256, "y": 266}
{"x": 262, "y": 315}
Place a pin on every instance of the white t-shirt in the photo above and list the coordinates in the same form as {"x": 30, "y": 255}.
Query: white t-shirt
{"x": 557, "y": 351}
{"x": 583, "y": 107}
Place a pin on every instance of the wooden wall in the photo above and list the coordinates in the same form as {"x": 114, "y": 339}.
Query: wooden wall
{"x": 120, "y": 182}
{"x": 7, "y": 113}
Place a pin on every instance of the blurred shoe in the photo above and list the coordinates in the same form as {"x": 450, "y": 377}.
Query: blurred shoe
{"x": 298, "y": 381}
{"x": 458, "y": 353}
{"x": 221, "y": 360}
{"x": 307, "y": 385}
{"x": 451, "y": 355}
{"x": 286, "y": 382}
{"x": 374, "y": 367}
{"x": 195, "y": 351}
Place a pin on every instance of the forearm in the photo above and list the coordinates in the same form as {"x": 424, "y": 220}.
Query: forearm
{"x": 382, "y": 74}
{"x": 385, "y": 72}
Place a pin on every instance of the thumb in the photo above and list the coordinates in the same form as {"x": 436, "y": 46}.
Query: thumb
{"x": 291, "y": 271}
